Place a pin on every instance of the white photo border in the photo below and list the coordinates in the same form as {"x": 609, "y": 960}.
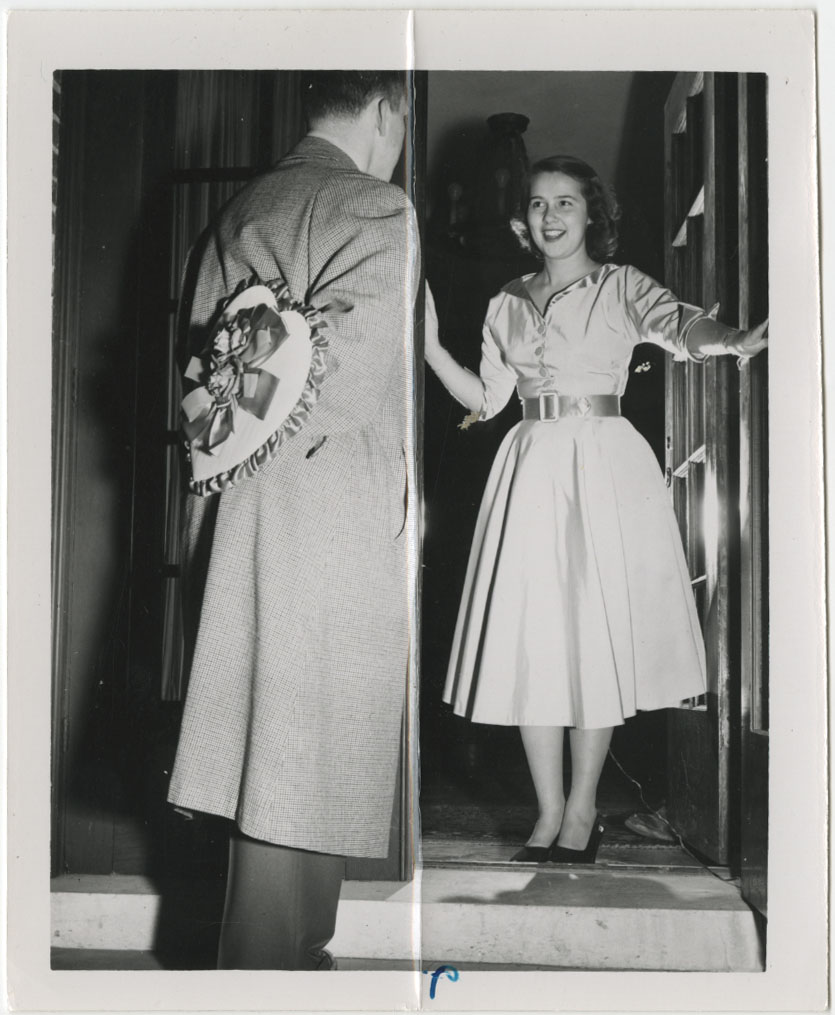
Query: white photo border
{"x": 780, "y": 44}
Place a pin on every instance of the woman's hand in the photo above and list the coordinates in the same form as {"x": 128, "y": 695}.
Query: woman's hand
{"x": 461, "y": 383}
{"x": 432, "y": 342}
{"x": 709, "y": 337}
{"x": 748, "y": 343}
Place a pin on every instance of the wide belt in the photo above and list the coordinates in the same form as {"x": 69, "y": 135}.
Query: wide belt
{"x": 550, "y": 406}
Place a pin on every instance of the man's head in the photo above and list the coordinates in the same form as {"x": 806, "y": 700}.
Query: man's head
{"x": 364, "y": 112}
{"x": 346, "y": 93}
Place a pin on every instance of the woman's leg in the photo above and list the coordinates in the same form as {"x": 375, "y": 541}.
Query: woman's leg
{"x": 588, "y": 754}
{"x": 280, "y": 907}
{"x": 543, "y": 748}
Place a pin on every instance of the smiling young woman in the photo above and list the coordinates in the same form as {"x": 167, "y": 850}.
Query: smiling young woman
{"x": 576, "y": 553}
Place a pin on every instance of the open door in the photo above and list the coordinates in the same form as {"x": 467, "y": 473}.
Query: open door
{"x": 716, "y": 252}
{"x": 701, "y": 450}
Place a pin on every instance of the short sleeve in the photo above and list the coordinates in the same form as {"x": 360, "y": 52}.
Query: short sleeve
{"x": 654, "y": 314}
{"x": 498, "y": 378}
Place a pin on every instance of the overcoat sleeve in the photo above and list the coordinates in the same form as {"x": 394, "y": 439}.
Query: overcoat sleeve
{"x": 363, "y": 270}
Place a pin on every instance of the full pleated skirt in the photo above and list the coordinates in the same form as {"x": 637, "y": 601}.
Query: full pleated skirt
{"x": 577, "y": 608}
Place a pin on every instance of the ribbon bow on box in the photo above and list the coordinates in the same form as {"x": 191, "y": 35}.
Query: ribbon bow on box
{"x": 236, "y": 381}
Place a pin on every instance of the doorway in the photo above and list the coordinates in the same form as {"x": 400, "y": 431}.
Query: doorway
{"x": 477, "y": 802}
{"x": 475, "y": 782}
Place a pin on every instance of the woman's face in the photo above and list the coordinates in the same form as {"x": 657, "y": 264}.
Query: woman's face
{"x": 557, "y": 215}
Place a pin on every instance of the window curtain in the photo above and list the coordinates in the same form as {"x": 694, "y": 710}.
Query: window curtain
{"x": 230, "y": 125}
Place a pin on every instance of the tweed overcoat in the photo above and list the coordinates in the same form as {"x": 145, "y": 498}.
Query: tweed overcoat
{"x": 298, "y": 665}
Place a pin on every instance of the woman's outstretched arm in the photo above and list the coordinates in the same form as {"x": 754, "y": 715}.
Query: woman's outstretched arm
{"x": 461, "y": 383}
{"x": 654, "y": 314}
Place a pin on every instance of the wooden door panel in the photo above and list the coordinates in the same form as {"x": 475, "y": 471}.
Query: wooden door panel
{"x": 754, "y": 822}
{"x": 701, "y": 454}
{"x": 693, "y": 804}
{"x": 716, "y": 466}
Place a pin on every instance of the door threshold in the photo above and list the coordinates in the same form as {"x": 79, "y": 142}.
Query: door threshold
{"x": 723, "y": 873}
{"x": 440, "y": 850}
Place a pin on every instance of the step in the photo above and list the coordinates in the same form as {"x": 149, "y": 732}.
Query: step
{"x": 582, "y": 918}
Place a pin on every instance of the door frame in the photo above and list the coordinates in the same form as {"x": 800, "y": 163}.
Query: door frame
{"x": 702, "y": 734}
{"x": 722, "y": 739}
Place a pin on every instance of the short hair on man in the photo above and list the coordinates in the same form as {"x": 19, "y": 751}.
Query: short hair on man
{"x": 345, "y": 93}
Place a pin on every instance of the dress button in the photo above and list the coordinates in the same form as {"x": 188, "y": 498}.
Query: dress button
{"x": 538, "y": 350}
{"x": 543, "y": 371}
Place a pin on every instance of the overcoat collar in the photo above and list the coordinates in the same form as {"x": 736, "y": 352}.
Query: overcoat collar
{"x": 311, "y": 147}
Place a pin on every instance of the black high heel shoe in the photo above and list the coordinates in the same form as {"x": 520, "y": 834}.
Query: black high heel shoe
{"x": 534, "y": 854}
{"x": 562, "y": 854}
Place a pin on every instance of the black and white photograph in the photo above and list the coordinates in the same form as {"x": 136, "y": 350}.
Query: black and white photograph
{"x": 426, "y": 571}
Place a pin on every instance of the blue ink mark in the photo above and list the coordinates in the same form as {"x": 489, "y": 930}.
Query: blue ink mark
{"x": 451, "y": 974}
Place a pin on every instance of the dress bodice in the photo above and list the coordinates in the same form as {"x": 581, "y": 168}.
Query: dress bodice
{"x": 582, "y": 342}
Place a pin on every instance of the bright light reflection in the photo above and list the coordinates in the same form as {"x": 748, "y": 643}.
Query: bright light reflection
{"x": 711, "y": 517}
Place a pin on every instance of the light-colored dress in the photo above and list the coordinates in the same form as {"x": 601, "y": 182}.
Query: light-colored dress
{"x": 577, "y": 608}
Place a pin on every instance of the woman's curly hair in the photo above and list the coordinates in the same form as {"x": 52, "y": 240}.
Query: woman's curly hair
{"x": 602, "y": 230}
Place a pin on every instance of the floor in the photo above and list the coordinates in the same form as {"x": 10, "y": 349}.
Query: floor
{"x": 473, "y": 916}
{"x": 479, "y": 813}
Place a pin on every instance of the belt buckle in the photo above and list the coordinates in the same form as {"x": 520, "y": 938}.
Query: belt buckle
{"x": 548, "y": 406}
